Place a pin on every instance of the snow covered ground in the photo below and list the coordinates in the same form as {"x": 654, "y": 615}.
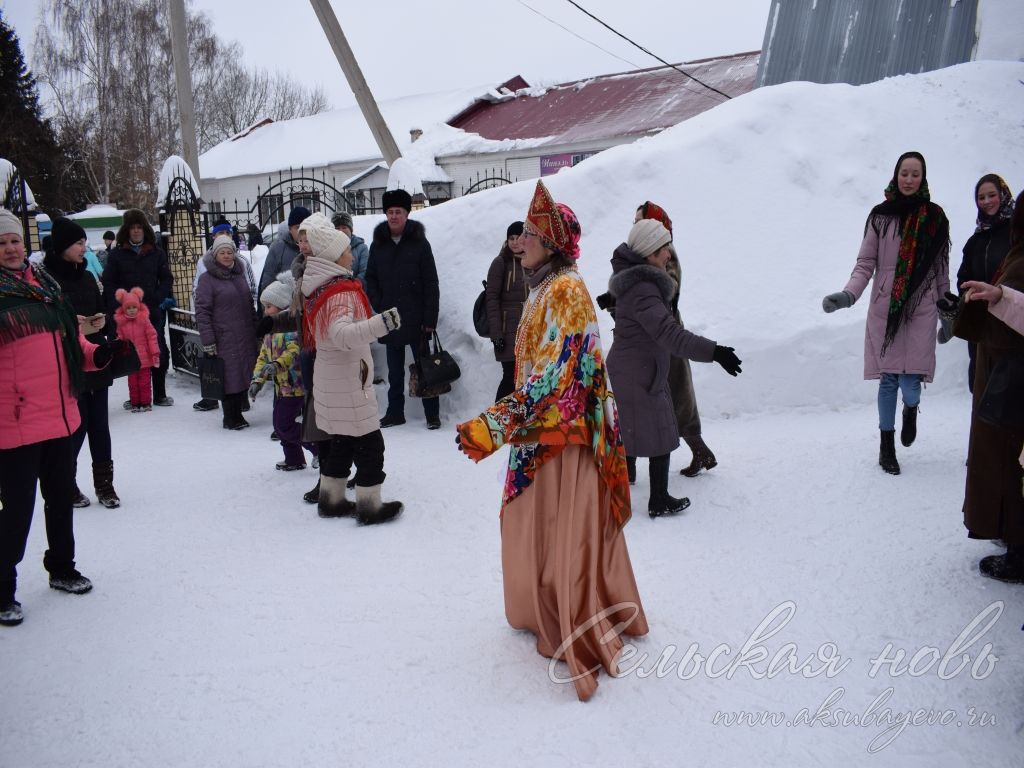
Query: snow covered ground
{"x": 230, "y": 626}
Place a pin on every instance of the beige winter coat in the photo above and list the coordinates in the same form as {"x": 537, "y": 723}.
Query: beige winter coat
{"x": 343, "y": 394}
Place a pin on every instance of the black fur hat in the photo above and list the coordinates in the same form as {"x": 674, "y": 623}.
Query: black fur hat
{"x": 396, "y": 198}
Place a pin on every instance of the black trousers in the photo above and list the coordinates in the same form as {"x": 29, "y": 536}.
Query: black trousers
{"x": 92, "y": 406}
{"x": 51, "y": 463}
{"x": 159, "y": 320}
{"x": 366, "y": 452}
{"x": 508, "y": 379}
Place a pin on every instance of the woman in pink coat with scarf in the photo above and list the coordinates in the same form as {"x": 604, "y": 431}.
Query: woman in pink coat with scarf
{"x": 905, "y": 255}
{"x": 42, "y": 359}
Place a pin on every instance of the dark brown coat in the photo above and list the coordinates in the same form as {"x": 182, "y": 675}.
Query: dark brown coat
{"x": 993, "y": 502}
{"x": 506, "y": 293}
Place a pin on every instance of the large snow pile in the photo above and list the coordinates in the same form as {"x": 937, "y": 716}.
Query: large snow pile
{"x": 768, "y": 195}
{"x": 230, "y": 626}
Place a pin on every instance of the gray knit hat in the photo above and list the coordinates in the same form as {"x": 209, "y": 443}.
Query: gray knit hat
{"x": 279, "y": 292}
{"x": 10, "y": 224}
{"x": 647, "y": 237}
{"x": 342, "y": 219}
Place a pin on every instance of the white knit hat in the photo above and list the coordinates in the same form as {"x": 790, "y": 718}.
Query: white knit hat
{"x": 648, "y": 236}
{"x": 10, "y": 224}
{"x": 279, "y": 292}
{"x": 325, "y": 241}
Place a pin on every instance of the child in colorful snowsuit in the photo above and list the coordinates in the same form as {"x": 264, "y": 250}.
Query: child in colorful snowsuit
{"x": 132, "y": 319}
{"x": 278, "y": 362}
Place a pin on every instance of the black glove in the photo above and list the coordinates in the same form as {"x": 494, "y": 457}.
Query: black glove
{"x": 948, "y": 306}
{"x": 726, "y": 357}
{"x": 264, "y": 326}
{"x": 605, "y": 300}
{"x": 458, "y": 441}
{"x": 499, "y": 345}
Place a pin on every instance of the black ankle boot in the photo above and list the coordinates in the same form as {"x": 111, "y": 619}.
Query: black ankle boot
{"x": 1008, "y": 567}
{"x": 660, "y": 502}
{"x": 909, "y": 432}
{"x": 631, "y": 469}
{"x": 887, "y": 452}
{"x": 703, "y": 458}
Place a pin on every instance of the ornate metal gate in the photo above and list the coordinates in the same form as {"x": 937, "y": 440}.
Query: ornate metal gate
{"x": 187, "y": 225}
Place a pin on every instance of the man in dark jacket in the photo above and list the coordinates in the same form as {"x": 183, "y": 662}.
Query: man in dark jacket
{"x": 137, "y": 261}
{"x": 284, "y": 249}
{"x": 401, "y": 273}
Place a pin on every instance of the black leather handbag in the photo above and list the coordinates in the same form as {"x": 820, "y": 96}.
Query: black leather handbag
{"x": 436, "y": 367}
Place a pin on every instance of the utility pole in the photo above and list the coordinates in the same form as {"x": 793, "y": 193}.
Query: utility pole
{"x": 356, "y": 81}
{"x": 183, "y": 83}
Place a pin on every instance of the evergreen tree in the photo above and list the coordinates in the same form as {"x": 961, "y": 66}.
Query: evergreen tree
{"x": 28, "y": 140}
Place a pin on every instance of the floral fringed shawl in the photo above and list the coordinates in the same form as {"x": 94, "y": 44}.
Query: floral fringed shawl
{"x": 561, "y": 397}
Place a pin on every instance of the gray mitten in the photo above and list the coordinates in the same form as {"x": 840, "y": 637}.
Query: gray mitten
{"x": 254, "y": 389}
{"x": 835, "y": 301}
{"x": 945, "y": 330}
{"x": 391, "y": 319}
{"x": 268, "y": 371}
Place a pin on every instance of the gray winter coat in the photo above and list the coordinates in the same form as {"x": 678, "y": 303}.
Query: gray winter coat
{"x": 506, "y": 293}
{"x": 225, "y": 316}
{"x": 646, "y": 336}
{"x": 282, "y": 251}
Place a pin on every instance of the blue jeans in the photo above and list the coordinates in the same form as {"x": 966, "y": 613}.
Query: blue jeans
{"x": 909, "y": 384}
{"x": 396, "y": 383}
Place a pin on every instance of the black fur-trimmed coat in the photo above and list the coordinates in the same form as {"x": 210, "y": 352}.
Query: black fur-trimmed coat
{"x": 403, "y": 275}
{"x": 646, "y": 335}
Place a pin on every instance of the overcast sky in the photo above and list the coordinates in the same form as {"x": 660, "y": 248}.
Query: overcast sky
{"x": 407, "y": 47}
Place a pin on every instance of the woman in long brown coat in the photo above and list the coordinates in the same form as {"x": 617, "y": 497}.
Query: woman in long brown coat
{"x": 993, "y": 501}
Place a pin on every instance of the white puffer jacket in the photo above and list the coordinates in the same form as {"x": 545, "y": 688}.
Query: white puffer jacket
{"x": 343, "y": 394}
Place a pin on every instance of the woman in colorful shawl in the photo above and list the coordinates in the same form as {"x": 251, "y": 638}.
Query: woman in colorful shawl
{"x": 906, "y": 250}
{"x": 993, "y": 505}
{"x": 566, "y": 569}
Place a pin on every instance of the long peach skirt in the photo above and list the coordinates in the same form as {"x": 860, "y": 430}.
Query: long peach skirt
{"x": 566, "y": 570}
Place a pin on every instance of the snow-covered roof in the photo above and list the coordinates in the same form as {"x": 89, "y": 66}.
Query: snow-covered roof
{"x": 98, "y": 211}
{"x": 338, "y": 136}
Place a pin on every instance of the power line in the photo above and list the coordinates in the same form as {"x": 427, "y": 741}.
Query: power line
{"x": 633, "y": 43}
{"x": 574, "y": 34}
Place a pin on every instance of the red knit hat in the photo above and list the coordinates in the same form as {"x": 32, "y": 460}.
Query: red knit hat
{"x": 555, "y": 222}
{"x": 128, "y": 299}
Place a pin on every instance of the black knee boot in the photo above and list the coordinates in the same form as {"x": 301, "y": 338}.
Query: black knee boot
{"x": 631, "y": 469}
{"x": 661, "y": 503}
{"x": 909, "y": 432}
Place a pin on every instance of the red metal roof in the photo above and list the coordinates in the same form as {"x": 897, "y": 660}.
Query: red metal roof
{"x": 635, "y": 103}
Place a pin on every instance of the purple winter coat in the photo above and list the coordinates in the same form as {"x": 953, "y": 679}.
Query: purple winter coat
{"x": 913, "y": 348}
{"x": 225, "y": 316}
{"x": 646, "y": 335}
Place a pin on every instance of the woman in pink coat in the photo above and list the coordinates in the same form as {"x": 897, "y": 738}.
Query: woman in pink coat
{"x": 42, "y": 358}
{"x": 906, "y": 252}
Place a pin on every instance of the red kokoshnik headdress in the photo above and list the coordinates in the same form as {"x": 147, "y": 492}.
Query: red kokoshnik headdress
{"x": 555, "y": 222}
